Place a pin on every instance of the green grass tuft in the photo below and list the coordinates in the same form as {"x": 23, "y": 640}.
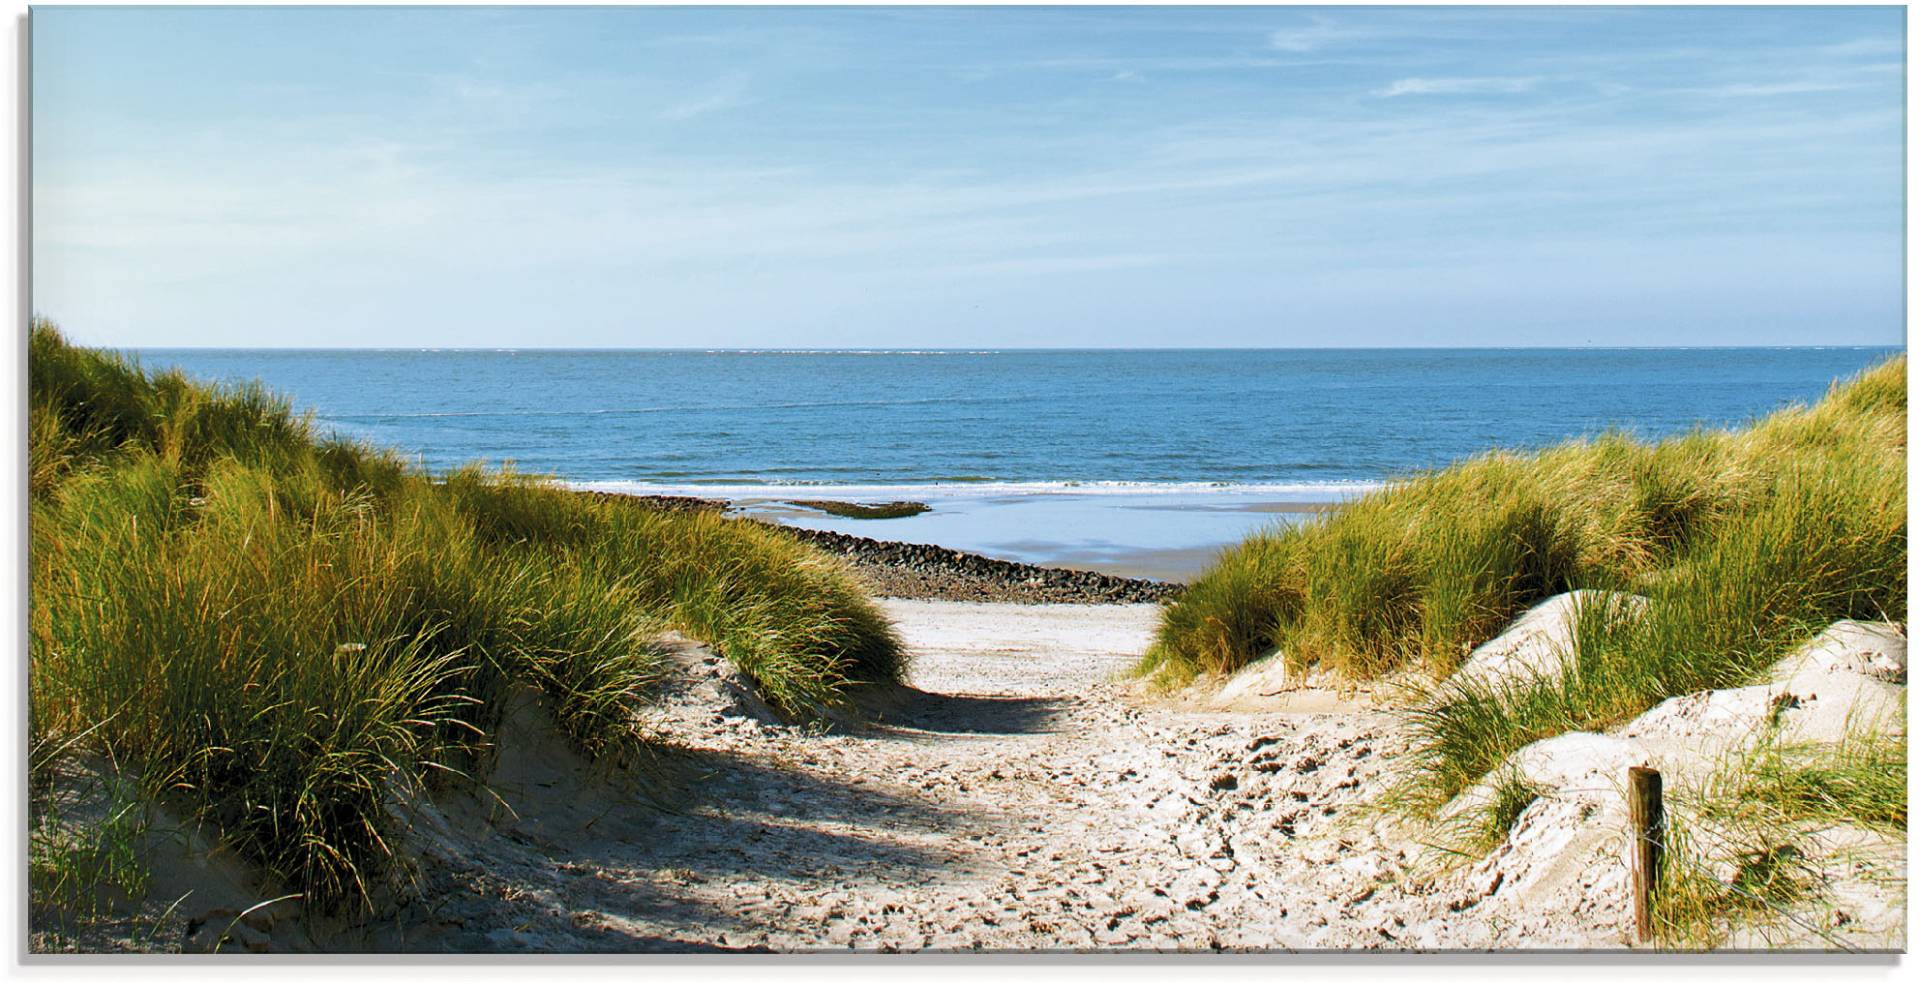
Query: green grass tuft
{"x": 1745, "y": 543}
{"x": 1737, "y": 847}
{"x": 279, "y": 631}
{"x": 1862, "y": 780}
{"x": 1417, "y": 574}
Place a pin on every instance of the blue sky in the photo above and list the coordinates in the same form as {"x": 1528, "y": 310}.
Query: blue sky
{"x": 965, "y": 177}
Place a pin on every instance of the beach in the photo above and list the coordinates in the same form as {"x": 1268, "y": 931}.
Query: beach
{"x": 801, "y": 719}
{"x": 1019, "y": 795}
{"x": 670, "y": 479}
{"x": 1166, "y": 533}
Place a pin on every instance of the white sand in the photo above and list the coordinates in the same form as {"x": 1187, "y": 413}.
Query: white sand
{"x": 1023, "y": 799}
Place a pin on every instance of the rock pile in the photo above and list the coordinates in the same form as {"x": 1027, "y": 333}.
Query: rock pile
{"x": 915, "y": 571}
{"x": 661, "y": 502}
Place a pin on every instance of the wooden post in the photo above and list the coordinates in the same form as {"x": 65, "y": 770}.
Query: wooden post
{"x": 1647, "y": 817}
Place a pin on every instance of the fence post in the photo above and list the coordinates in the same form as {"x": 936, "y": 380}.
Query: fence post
{"x": 1647, "y": 817}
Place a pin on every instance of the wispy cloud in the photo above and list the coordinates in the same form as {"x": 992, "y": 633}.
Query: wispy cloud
{"x": 1199, "y": 64}
{"x": 1865, "y": 46}
{"x": 728, "y": 94}
{"x": 1105, "y": 178}
{"x": 488, "y": 103}
{"x": 1319, "y": 34}
{"x": 1060, "y": 264}
{"x": 1821, "y": 72}
{"x": 1778, "y": 88}
{"x": 1458, "y": 86}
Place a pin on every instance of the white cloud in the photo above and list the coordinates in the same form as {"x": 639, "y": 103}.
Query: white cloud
{"x": 1779, "y": 88}
{"x": 438, "y": 206}
{"x": 1319, "y": 34}
{"x": 474, "y": 104}
{"x": 728, "y": 94}
{"x": 1458, "y": 86}
{"x": 1865, "y": 46}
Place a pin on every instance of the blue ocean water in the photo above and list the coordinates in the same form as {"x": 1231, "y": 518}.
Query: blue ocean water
{"x": 1306, "y": 417}
{"x": 1063, "y": 456}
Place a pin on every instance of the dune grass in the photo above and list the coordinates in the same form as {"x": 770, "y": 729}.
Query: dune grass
{"x": 78, "y": 867}
{"x": 1470, "y": 834}
{"x": 1744, "y": 848}
{"x": 1745, "y": 542}
{"x": 279, "y": 632}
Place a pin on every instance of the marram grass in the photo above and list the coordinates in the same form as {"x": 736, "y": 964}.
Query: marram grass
{"x": 278, "y": 632}
{"x": 1745, "y": 543}
{"x": 1744, "y": 848}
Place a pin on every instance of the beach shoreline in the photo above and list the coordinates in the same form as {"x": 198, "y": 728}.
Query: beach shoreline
{"x": 899, "y": 569}
{"x": 680, "y": 728}
{"x": 922, "y": 571}
{"x": 913, "y": 558}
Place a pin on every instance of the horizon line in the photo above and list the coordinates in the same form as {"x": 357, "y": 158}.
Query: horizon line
{"x": 966, "y": 350}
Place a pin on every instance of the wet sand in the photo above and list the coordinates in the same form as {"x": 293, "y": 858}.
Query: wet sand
{"x": 1165, "y": 565}
{"x": 1161, "y": 535}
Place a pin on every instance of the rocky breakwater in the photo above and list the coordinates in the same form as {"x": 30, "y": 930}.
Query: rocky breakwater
{"x": 914, "y": 571}
{"x": 926, "y": 572}
{"x": 660, "y": 502}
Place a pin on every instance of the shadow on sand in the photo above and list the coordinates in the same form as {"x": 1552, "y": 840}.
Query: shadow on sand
{"x": 939, "y": 712}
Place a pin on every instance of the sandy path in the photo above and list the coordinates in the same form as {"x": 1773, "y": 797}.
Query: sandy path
{"x": 1018, "y": 797}
{"x": 1019, "y": 800}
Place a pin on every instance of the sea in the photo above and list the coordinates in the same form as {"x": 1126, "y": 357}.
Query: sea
{"x": 1145, "y": 462}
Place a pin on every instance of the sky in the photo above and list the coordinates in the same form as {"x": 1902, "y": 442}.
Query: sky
{"x": 969, "y": 177}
